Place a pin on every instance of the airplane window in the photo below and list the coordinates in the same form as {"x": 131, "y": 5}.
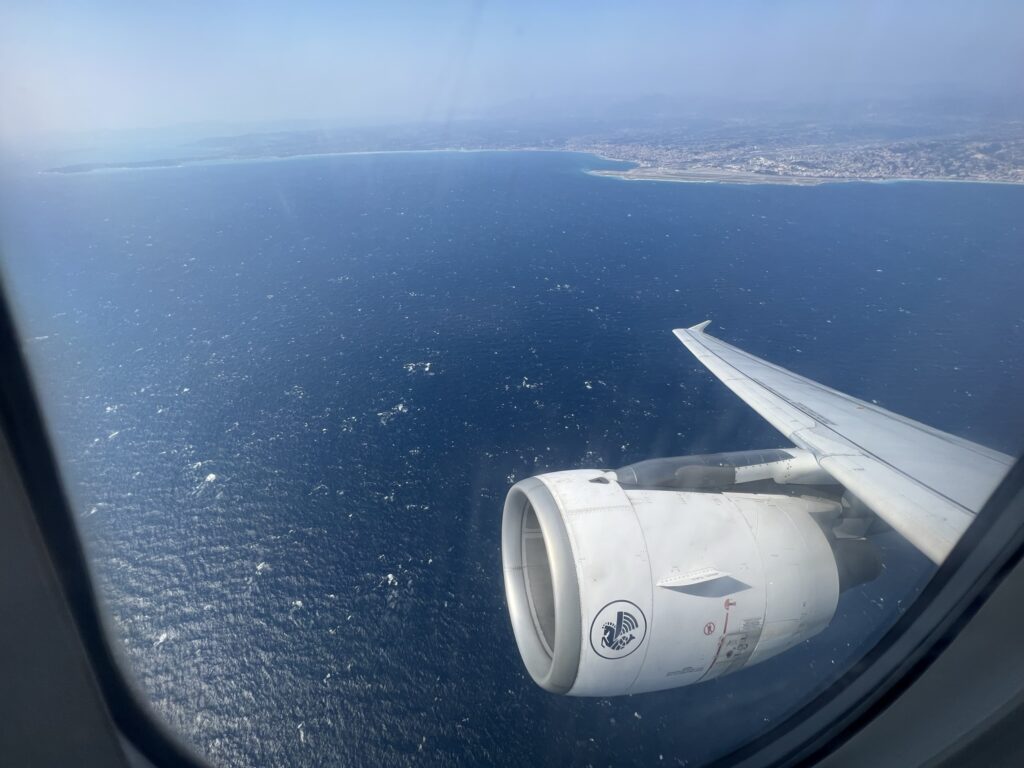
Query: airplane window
{"x": 372, "y": 345}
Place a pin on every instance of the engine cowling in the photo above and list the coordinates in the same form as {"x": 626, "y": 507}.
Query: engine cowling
{"x": 615, "y": 590}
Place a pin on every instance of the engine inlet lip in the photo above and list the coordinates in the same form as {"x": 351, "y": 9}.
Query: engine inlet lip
{"x": 553, "y": 672}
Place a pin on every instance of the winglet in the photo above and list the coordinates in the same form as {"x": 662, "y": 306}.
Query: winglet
{"x": 699, "y": 327}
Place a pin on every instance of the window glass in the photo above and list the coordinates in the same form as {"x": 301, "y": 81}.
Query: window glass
{"x": 306, "y": 291}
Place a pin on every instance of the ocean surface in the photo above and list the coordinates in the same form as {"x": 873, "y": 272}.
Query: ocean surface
{"x": 289, "y": 397}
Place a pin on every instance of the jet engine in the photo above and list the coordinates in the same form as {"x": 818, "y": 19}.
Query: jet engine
{"x": 674, "y": 571}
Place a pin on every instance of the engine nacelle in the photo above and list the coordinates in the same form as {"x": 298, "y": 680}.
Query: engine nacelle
{"x": 615, "y": 590}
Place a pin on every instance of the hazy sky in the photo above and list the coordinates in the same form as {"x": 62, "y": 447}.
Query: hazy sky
{"x": 78, "y": 66}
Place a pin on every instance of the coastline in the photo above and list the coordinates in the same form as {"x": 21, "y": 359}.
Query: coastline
{"x": 169, "y": 163}
{"x": 705, "y": 175}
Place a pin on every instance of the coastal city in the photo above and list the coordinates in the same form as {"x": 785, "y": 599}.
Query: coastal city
{"x": 796, "y": 157}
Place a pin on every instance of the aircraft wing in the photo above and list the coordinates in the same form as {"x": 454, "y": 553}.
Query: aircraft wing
{"x": 926, "y": 484}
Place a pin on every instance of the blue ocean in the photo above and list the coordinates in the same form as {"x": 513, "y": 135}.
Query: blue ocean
{"x": 289, "y": 397}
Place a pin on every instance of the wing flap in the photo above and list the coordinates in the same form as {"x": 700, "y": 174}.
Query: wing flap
{"x": 924, "y": 519}
{"x": 925, "y": 483}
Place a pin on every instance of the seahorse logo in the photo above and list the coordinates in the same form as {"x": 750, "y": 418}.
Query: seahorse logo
{"x": 618, "y": 629}
{"x": 620, "y": 634}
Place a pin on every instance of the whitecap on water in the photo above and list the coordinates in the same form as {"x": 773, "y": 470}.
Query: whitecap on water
{"x": 419, "y": 368}
{"x": 386, "y": 416}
